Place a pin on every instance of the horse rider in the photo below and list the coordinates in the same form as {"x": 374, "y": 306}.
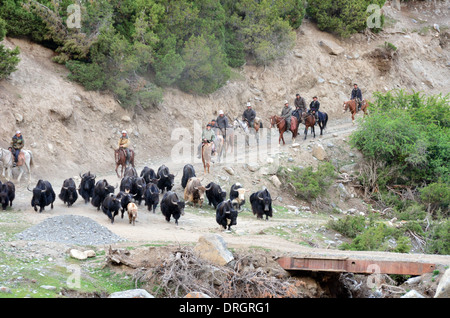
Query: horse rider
{"x": 208, "y": 136}
{"x": 17, "y": 144}
{"x": 222, "y": 122}
{"x": 124, "y": 143}
{"x": 357, "y": 95}
{"x": 314, "y": 108}
{"x": 249, "y": 115}
{"x": 300, "y": 107}
{"x": 286, "y": 113}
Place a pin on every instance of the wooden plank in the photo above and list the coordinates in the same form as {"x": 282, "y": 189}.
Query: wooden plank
{"x": 362, "y": 266}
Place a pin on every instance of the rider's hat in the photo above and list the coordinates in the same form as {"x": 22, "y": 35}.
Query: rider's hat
{"x": 249, "y": 105}
{"x": 286, "y": 102}
{"x": 220, "y": 112}
{"x": 17, "y": 132}
{"x": 124, "y": 131}
{"x": 297, "y": 94}
{"x": 314, "y": 97}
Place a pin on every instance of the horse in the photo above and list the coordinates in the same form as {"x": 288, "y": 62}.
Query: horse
{"x": 280, "y": 122}
{"x": 227, "y": 136}
{"x": 352, "y": 106}
{"x": 25, "y": 158}
{"x": 120, "y": 157}
{"x": 309, "y": 120}
{"x": 206, "y": 155}
{"x": 220, "y": 146}
{"x": 243, "y": 124}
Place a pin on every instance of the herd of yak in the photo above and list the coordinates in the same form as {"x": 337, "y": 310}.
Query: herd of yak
{"x": 146, "y": 187}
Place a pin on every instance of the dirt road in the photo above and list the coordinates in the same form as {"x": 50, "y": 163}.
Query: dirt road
{"x": 249, "y": 232}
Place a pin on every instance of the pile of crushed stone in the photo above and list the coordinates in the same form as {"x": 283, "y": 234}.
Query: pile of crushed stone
{"x": 70, "y": 229}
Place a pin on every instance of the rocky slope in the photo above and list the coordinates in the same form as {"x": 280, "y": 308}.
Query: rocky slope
{"x": 71, "y": 130}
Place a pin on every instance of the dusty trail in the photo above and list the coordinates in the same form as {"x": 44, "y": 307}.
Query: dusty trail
{"x": 249, "y": 232}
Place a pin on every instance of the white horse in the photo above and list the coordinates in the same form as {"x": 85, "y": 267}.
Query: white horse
{"x": 6, "y": 157}
{"x": 240, "y": 124}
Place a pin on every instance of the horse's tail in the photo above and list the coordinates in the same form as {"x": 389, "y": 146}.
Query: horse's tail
{"x": 325, "y": 120}
{"x": 31, "y": 158}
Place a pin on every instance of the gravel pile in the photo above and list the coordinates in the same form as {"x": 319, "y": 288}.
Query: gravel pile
{"x": 70, "y": 229}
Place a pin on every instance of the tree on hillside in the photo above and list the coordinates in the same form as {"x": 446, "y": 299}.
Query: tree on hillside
{"x": 9, "y": 59}
{"x": 264, "y": 34}
{"x": 343, "y": 17}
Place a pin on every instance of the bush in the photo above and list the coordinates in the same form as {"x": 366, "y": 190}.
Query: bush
{"x": 414, "y": 138}
{"x": 90, "y": 75}
{"x": 343, "y": 17}
{"x": 9, "y": 59}
{"x": 436, "y": 195}
{"x": 380, "y": 237}
{"x": 350, "y": 226}
{"x": 438, "y": 240}
{"x": 308, "y": 184}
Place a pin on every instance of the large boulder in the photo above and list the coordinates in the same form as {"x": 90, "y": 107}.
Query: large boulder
{"x": 213, "y": 248}
{"x": 443, "y": 289}
{"x": 331, "y": 47}
{"x": 319, "y": 152}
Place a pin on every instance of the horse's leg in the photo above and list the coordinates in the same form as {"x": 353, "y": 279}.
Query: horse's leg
{"x": 306, "y": 132}
{"x": 20, "y": 174}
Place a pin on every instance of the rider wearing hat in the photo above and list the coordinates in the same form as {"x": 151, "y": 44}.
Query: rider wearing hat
{"x": 16, "y": 145}
{"x": 222, "y": 121}
{"x": 314, "y": 108}
{"x": 249, "y": 115}
{"x": 208, "y": 136}
{"x": 124, "y": 143}
{"x": 286, "y": 113}
{"x": 300, "y": 106}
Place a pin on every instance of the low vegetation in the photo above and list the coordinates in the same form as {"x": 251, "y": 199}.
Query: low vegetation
{"x": 406, "y": 146}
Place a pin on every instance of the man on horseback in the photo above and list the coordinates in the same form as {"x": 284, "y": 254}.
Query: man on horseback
{"x": 249, "y": 115}
{"x": 357, "y": 95}
{"x": 286, "y": 113}
{"x": 314, "y": 108}
{"x": 300, "y": 107}
{"x": 16, "y": 145}
{"x": 124, "y": 144}
{"x": 208, "y": 136}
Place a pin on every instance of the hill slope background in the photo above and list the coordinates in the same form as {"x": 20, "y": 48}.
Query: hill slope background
{"x": 71, "y": 130}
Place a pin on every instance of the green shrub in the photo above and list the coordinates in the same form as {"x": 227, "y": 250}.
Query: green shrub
{"x": 308, "y": 184}
{"x": 90, "y": 75}
{"x": 436, "y": 195}
{"x": 343, "y": 17}
{"x": 349, "y": 226}
{"x": 9, "y": 59}
{"x": 438, "y": 239}
{"x": 380, "y": 237}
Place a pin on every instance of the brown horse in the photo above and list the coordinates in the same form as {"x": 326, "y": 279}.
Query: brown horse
{"x": 206, "y": 155}
{"x": 309, "y": 120}
{"x": 121, "y": 159}
{"x": 352, "y": 106}
{"x": 280, "y": 122}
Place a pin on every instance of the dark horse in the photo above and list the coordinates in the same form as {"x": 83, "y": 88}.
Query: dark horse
{"x": 280, "y": 122}
{"x": 121, "y": 159}
{"x": 309, "y": 120}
